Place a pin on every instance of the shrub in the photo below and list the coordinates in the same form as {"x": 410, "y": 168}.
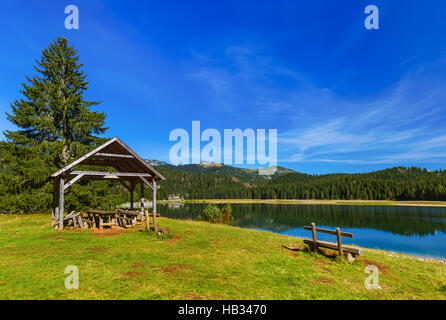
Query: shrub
{"x": 227, "y": 214}
{"x": 213, "y": 214}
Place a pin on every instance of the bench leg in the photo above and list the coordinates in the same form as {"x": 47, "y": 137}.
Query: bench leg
{"x": 350, "y": 257}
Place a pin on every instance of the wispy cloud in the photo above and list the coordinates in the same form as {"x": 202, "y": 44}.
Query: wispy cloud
{"x": 402, "y": 124}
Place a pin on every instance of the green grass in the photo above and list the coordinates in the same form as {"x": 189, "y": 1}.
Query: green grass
{"x": 200, "y": 261}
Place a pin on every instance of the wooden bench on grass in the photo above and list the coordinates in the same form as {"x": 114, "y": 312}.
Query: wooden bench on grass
{"x": 349, "y": 252}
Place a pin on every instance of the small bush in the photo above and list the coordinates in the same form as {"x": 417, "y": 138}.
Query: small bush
{"x": 227, "y": 214}
{"x": 213, "y": 214}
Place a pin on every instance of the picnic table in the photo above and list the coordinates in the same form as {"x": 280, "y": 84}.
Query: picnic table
{"x": 101, "y": 218}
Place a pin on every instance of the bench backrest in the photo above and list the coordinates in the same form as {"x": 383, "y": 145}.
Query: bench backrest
{"x": 333, "y": 232}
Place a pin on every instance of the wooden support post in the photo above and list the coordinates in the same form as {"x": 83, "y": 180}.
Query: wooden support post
{"x": 56, "y": 212}
{"x": 338, "y": 234}
{"x": 55, "y": 205}
{"x": 132, "y": 192}
{"x": 155, "y": 224}
{"x": 146, "y": 214}
{"x": 142, "y": 202}
{"x": 61, "y": 202}
{"x": 313, "y": 230}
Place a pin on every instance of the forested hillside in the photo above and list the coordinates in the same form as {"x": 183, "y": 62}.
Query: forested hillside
{"x": 249, "y": 175}
{"x": 394, "y": 184}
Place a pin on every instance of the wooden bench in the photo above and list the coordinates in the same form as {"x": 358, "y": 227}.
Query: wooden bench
{"x": 349, "y": 252}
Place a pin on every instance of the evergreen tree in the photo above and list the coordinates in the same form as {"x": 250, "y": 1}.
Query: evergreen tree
{"x": 55, "y": 126}
{"x": 54, "y": 110}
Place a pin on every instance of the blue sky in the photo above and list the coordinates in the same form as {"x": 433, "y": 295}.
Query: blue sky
{"x": 343, "y": 98}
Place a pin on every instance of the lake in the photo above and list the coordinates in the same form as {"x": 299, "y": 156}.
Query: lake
{"x": 418, "y": 231}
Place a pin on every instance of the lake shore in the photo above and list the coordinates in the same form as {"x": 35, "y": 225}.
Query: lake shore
{"x": 412, "y": 248}
{"x": 318, "y": 202}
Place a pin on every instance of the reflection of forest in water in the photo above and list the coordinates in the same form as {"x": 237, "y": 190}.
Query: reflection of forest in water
{"x": 399, "y": 220}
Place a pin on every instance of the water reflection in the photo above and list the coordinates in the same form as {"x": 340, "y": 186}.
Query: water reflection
{"x": 415, "y": 230}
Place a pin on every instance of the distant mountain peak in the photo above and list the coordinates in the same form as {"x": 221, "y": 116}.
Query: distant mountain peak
{"x": 157, "y": 163}
{"x": 210, "y": 164}
{"x": 250, "y": 175}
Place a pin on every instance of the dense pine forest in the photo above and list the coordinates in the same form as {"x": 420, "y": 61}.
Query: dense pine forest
{"x": 390, "y": 184}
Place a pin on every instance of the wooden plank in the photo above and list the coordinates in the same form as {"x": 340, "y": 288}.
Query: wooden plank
{"x": 125, "y": 218}
{"x": 56, "y": 221}
{"x": 76, "y": 178}
{"x": 132, "y": 191}
{"x": 55, "y": 205}
{"x": 115, "y": 148}
{"x": 61, "y": 202}
{"x": 142, "y": 201}
{"x": 155, "y": 223}
{"x": 146, "y": 215}
{"x": 334, "y": 246}
{"x": 108, "y": 224}
{"x": 113, "y": 155}
{"x": 147, "y": 182}
{"x": 148, "y": 166}
{"x": 154, "y": 195}
{"x": 131, "y": 213}
{"x": 110, "y": 173}
{"x": 81, "y": 221}
{"x": 333, "y": 232}
{"x": 71, "y": 165}
{"x": 313, "y": 229}
{"x": 89, "y": 222}
{"x": 126, "y": 186}
{"x": 102, "y": 212}
{"x": 75, "y": 224}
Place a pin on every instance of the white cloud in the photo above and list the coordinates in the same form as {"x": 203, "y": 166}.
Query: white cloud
{"x": 317, "y": 124}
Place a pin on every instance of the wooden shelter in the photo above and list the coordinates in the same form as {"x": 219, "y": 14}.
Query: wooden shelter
{"x": 131, "y": 171}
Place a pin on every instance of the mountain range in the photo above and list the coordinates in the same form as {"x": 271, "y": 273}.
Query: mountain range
{"x": 249, "y": 175}
{"x": 218, "y": 181}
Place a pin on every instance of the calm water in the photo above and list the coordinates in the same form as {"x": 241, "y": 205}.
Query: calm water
{"x": 419, "y": 231}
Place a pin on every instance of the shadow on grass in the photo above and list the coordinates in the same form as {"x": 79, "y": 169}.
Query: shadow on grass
{"x": 326, "y": 253}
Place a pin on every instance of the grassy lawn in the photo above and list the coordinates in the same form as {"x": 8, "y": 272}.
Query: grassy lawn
{"x": 200, "y": 261}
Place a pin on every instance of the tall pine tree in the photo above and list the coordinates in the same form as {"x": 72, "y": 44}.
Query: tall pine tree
{"x": 55, "y": 126}
{"x": 54, "y": 109}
